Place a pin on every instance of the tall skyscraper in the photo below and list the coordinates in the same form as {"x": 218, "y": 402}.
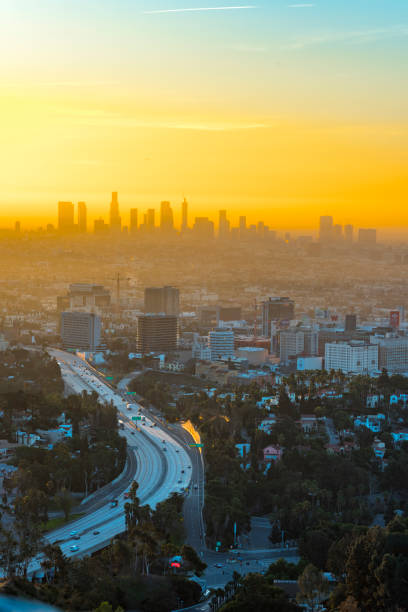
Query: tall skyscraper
{"x": 326, "y": 229}
{"x": 65, "y": 217}
{"x": 348, "y": 233}
{"x": 166, "y": 217}
{"x": 184, "y": 215}
{"x": 242, "y": 226}
{"x": 162, "y": 300}
{"x": 82, "y": 217}
{"x": 115, "y": 221}
{"x": 150, "y": 222}
{"x": 17, "y": 227}
{"x": 223, "y": 224}
{"x": 133, "y": 220}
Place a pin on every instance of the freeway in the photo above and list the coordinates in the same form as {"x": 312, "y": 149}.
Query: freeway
{"x": 157, "y": 460}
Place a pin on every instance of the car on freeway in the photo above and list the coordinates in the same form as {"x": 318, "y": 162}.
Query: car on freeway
{"x": 74, "y": 548}
{"x": 182, "y": 471}
{"x": 196, "y": 486}
{"x": 96, "y": 532}
{"x": 126, "y": 494}
{"x": 132, "y": 433}
{"x": 114, "y": 503}
{"x": 73, "y": 533}
{"x": 76, "y": 537}
{"x": 219, "y": 565}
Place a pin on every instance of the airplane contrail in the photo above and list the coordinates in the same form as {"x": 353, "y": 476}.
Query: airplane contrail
{"x": 195, "y": 10}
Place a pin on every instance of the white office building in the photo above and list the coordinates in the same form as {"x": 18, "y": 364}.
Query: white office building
{"x": 353, "y": 357}
{"x": 221, "y": 343}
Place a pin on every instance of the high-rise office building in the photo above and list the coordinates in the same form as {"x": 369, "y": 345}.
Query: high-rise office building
{"x": 337, "y": 232}
{"x": 17, "y": 227}
{"x": 291, "y": 344}
{"x": 82, "y": 217}
{"x": 367, "y": 237}
{"x": 80, "y": 331}
{"x": 276, "y": 309}
{"x": 162, "y": 300}
{"x": 221, "y": 343}
{"x": 350, "y": 323}
{"x": 157, "y": 333}
{"x": 203, "y": 228}
{"x": 223, "y": 224}
{"x": 166, "y": 217}
{"x": 133, "y": 220}
{"x": 392, "y": 353}
{"x": 326, "y": 229}
{"x": 294, "y": 342}
{"x": 348, "y": 233}
{"x": 115, "y": 220}
{"x": 184, "y": 215}
{"x": 65, "y": 216}
{"x": 242, "y": 226}
{"x": 88, "y": 296}
{"x": 353, "y": 357}
{"x": 150, "y": 221}
{"x": 100, "y": 227}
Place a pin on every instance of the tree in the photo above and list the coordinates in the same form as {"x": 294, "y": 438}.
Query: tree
{"x": 191, "y": 558}
{"x": 312, "y": 587}
{"x": 258, "y": 593}
{"x": 64, "y": 502}
{"x": 106, "y": 607}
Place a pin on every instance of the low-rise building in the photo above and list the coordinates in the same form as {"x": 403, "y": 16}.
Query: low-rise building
{"x": 267, "y": 424}
{"x": 272, "y": 453}
{"x": 400, "y": 435}
{"x": 373, "y": 422}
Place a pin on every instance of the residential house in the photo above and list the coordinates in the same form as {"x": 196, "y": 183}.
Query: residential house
{"x": 272, "y": 453}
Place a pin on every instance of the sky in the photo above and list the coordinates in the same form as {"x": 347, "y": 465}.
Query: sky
{"x": 280, "y": 109}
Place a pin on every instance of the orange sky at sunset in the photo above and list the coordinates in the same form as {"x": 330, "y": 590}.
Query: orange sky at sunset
{"x": 283, "y": 128}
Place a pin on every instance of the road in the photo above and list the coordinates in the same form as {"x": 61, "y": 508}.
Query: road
{"x": 158, "y": 461}
{"x": 194, "y": 502}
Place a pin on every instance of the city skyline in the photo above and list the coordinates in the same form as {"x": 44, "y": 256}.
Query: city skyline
{"x": 180, "y": 219}
{"x": 290, "y": 110}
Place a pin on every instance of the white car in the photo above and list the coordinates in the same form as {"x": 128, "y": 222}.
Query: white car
{"x": 74, "y": 548}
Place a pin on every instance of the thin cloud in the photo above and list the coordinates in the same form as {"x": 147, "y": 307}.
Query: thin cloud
{"x": 301, "y": 5}
{"x": 351, "y": 37}
{"x": 101, "y": 118}
{"x": 200, "y": 9}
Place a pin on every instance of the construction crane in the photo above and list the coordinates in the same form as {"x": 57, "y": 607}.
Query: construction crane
{"x": 118, "y": 278}
{"x": 256, "y": 320}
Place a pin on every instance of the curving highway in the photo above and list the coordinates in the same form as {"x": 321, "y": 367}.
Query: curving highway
{"x": 157, "y": 459}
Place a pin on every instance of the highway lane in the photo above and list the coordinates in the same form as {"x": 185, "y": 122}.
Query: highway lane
{"x": 162, "y": 465}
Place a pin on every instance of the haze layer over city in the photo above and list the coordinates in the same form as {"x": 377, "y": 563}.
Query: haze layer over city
{"x": 203, "y": 306}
